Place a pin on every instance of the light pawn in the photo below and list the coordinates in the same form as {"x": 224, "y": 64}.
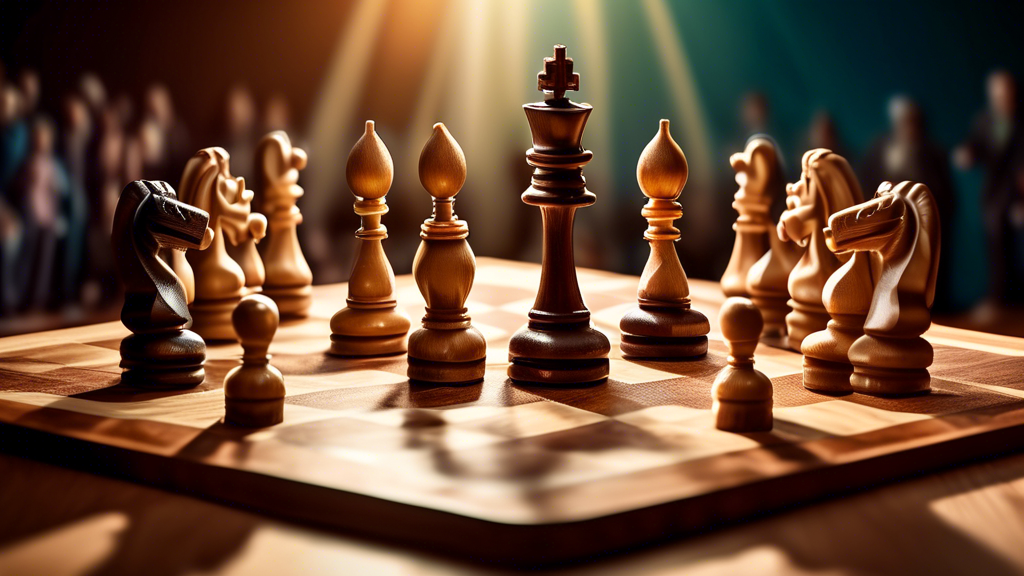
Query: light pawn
{"x": 741, "y": 395}
{"x": 254, "y": 392}
{"x": 448, "y": 349}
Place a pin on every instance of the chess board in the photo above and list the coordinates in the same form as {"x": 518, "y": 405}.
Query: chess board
{"x": 497, "y": 471}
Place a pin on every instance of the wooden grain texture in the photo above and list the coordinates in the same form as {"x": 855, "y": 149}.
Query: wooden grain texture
{"x": 499, "y": 471}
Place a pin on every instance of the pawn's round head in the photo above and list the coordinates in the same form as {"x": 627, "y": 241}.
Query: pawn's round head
{"x": 740, "y": 320}
{"x": 442, "y": 164}
{"x": 662, "y": 169}
{"x": 256, "y": 319}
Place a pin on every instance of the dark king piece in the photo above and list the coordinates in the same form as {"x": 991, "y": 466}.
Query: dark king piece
{"x": 558, "y": 346}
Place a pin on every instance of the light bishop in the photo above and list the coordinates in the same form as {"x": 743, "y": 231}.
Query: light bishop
{"x": 448, "y": 349}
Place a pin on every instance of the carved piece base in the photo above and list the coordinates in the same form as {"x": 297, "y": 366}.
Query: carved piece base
{"x": 450, "y": 373}
{"x": 375, "y": 332}
{"x": 292, "y": 301}
{"x": 163, "y": 361}
{"x": 211, "y": 319}
{"x": 564, "y": 356}
{"x": 803, "y": 321}
{"x": 733, "y": 416}
{"x": 651, "y": 348}
{"x": 664, "y": 333}
{"x": 890, "y": 381}
{"x": 773, "y": 311}
{"x": 254, "y": 413}
{"x": 827, "y": 377}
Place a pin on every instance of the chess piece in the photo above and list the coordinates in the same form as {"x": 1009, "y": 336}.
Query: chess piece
{"x": 741, "y": 395}
{"x": 254, "y": 392}
{"x": 847, "y": 298}
{"x": 160, "y": 352}
{"x": 370, "y": 324}
{"x": 664, "y": 325}
{"x": 826, "y": 186}
{"x": 448, "y": 349}
{"x": 768, "y": 286}
{"x": 245, "y": 254}
{"x": 558, "y": 346}
{"x": 901, "y": 225}
{"x": 216, "y": 280}
{"x": 758, "y": 176}
{"x": 289, "y": 279}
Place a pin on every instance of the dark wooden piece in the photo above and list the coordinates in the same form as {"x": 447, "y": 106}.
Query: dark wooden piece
{"x": 558, "y": 346}
{"x": 161, "y": 352}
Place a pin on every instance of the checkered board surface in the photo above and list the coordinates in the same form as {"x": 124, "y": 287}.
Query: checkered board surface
{"x": 496, "y": 467}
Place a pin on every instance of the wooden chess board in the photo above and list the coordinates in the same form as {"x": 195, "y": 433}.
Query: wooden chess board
{"x": 498, "y": 471}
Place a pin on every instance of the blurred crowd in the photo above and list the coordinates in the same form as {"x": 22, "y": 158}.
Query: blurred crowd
{"x": 907, "y": 151}
{"x": 61, "y": 172}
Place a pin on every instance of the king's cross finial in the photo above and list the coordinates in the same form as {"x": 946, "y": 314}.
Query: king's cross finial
{"x": 557, "y": 76}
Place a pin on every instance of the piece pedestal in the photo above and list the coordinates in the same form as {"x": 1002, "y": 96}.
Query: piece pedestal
{"x": 432, "y": 355}
{"x": 664, "y": 333}
{"x": 774, "y": 309}
{"x": 804, "y": 320}
{"x": 827, "y": 377}
{"x": 211, "y": 319}
{"x": 359, "y": 332}
{"x": 742, "y": 400}
{"x": 254, "y": 413}
{"x": 891, "y": 366}
{"x": 558, "y": 356}
{"x": 292, "y": 301}
{"x": 826, "y": 364}
{"x": 164, "y": 361}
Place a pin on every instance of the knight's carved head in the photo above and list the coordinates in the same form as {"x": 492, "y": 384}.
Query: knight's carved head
{"x": 827, "y": 184}
{"x": 901, "y": 223}
{"x": 207, "y": 184}
{"x": 757, "y": 170}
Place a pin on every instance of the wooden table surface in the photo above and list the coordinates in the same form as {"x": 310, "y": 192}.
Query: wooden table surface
{"x": 967, "y": 520}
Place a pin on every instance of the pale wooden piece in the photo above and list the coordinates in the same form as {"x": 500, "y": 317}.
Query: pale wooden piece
{"x": 741, "y": 395}
{"x": 901, "y": 225}
{"x": 767, "y": 279}
{"x": 768, "y": 285}
{"x": 161, "y": 352}
{"x": 559, "y": 346}
{"x": 254, "y": 392}
{"x": 218, "y": 281}
{"x": 827, "y": 185}
{"x": 448, "y": 348}
{"x": 370, "y": 324}
{"x": 663, "y": 325}
{"x": 757, "y": 174}
{"x": 289, "y": 279}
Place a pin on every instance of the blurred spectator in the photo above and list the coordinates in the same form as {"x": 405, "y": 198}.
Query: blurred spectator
{"x": 37, "y": 190}
{"x": 240, "y": 135}
{"x": 106, "y": 171}
{"x": 823, "y": 133}
{"x": 995, "y": 143}
{"x": 906, "y": 152}
{"x": 174, "y": 145}
{"x": 276, "y": 115}
{"x": 77, "y": 133}
{"x": 95, "y": 94}
{"x": 13, "y": 134}
{"x": 28, "y": 83}
{"x": 13, "y": 149}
